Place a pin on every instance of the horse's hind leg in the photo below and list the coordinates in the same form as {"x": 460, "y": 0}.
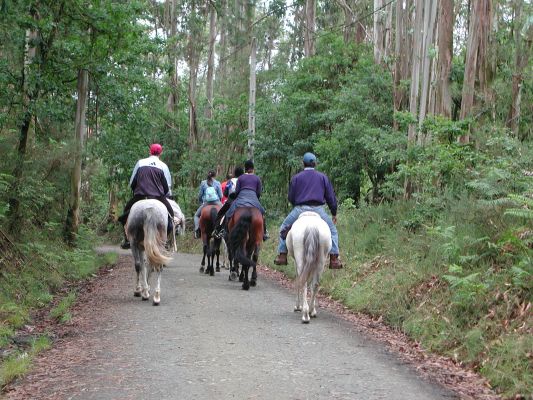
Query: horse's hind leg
{"x": 157, "y": 293}
{"x": 137, "y": 259}
{"x": 145, "y": 293}
{"x": 245, "y": 283}
{"x": 253, "y": 280}
{"x": 314, "y": 292}
{"x": 217, "y": 253}
{"x": 203, "y": 259}
{"x": 305, "y": 308}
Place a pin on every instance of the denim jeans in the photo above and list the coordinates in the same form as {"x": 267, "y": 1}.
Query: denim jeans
{"x": 293, "y": 216}
{"x": 199, "y": 212}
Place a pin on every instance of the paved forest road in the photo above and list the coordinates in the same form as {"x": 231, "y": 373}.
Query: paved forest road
{"x": 209, "y": 339}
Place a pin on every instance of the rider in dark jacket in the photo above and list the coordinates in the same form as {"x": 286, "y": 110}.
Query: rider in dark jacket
{"x": 310, "y": 190}
{"x": 150, "y": 179}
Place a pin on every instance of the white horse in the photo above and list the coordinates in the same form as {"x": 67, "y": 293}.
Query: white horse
{"x": 309, "y": 243}
{"x": 179, "y": 217}
{"x": 147, "y": 232}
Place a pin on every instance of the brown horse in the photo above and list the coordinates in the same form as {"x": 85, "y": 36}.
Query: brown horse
{"x": 245, "y": 230}
{"x": 208, "y": 217}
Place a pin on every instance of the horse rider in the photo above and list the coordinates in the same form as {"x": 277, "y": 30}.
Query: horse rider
{"x": 150, "y": 179}
{"x": 309, "y": 190}
{"x": 210, "y": 193}
{"x": 223, "y": 187}
{"x": 229, "y": 192}
{"x": 247, "y": 193}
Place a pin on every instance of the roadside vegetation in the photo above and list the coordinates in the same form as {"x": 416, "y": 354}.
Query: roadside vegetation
{"x": 42, "y": 276}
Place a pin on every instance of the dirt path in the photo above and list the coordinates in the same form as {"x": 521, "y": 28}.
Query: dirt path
{"x": 209, "y": 339}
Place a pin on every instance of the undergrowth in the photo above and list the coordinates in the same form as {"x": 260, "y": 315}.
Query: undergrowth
{"x": 48, "y": 267}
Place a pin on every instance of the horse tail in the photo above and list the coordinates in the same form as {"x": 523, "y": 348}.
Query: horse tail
{"x": 237, "y": 240}
{"x": 153, "y": 242}
{"x": 311, "y": 256}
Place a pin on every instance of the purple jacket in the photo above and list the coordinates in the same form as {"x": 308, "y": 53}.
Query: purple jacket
{"x": 251, "y": 182}
{"x": 312, "y": 188}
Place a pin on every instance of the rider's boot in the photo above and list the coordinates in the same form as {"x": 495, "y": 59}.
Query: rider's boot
{"x": 281, "y": 259}
{"x": 125, "y": 243}
{"x": 197, "y": 234}
{"x": 334, "y": 262}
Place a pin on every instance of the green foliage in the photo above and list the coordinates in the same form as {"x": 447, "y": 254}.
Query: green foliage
{"x": 61, "y": 311}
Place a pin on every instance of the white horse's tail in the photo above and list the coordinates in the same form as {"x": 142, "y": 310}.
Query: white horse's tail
{"x": 153, "y": 242}
{"x": 311, "y": 256}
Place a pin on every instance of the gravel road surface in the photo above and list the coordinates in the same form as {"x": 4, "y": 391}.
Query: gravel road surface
{"x": 209, "y": 339}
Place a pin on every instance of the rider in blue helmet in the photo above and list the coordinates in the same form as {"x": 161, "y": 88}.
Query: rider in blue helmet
{"x": 310, "y": 190}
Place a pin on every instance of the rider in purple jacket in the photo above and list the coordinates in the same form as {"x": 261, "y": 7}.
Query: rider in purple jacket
{"x": 310, "y": 190}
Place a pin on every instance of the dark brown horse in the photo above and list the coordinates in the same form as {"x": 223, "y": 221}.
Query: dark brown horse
{"x": 245, "y": 231}
{"x": 208, "y": 217}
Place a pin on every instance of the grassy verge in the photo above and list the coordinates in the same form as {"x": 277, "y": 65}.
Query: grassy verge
{"x": 455, "y": 275}
{"x": 47, "y": 268}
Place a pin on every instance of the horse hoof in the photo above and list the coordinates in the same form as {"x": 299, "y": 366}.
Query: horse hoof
{"x": 201, "y": 270}
{"x": 136, "y": 294}
{"x": 145, "y": 298}
{"x": 305, "y": 321}
{"x": 297, "y": 309}
{"x": 233, "y": 276}
{"x": 245, "y": 287}
{"x": 253, "y": 283}
{"x": 206, "y": 271}
{"x": 155, "y": 303}
{"x": 218, "y": 269}
{"x": 211, "y": 273}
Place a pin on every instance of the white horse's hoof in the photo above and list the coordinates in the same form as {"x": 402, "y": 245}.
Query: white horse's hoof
{"x": 305, "y": 321}
{"x": 313, "y": 315}
{"x": 157, "y": 299}
{"x": 137, "y": 293}
{"x": 297, "y": 309}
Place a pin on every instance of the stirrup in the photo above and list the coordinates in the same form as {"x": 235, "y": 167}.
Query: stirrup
{"x": 219, "y": 233}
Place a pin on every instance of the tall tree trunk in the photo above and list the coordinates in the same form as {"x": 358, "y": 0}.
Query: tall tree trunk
{"x": 251, "y": 103}
{"x": 28, "y": 94}
{"x": 475, "y": 65}
{"x": 387, "y": 33}
{"x": 310, "y": 29}
{"x": 210, "y": 63}
{"x": 378, "y": 34}
{"x": 222, "y": 48}
{"x": 430, "y": 14}
{"x": 172, "y": 100}
{"x": 402, "y": 50}
{"x": 415, "y": 71}
{"x": 348, "y": 20}
{"x": 443, "y": 100}
{"x": 72, "y": 222}
{"x": 522, "y": 50}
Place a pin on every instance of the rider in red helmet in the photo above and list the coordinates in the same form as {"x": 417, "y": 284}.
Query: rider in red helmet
{"x": 150, "y": 179}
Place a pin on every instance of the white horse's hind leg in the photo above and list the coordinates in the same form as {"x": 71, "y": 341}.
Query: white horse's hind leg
{"x": 314, "y": 292}
{"x": 157, "y": 293}
{"x": 298, "y": 306}
{"x": 145, "y": 294}
{"x": 305, "y": 309}
{"x": 138, "y": 260}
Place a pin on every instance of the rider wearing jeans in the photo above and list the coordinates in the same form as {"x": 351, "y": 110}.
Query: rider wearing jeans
{"x": 310, "y": 190}
{"x": 215, "y": 198}
{"x": 150, "y": 179}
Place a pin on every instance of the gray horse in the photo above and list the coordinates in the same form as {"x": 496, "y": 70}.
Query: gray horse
{"x": 146, "y": 230}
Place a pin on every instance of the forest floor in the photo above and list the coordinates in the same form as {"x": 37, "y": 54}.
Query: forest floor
{"x": 210, "y": 339}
